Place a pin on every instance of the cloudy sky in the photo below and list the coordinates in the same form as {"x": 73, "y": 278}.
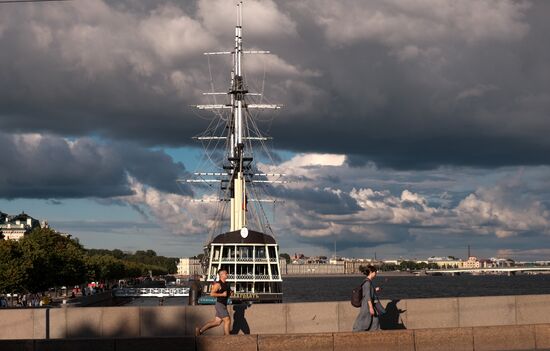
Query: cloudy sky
{"x": 409, "y": 128}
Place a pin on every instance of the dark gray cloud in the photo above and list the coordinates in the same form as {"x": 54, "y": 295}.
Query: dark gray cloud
{"x": 425, "y": 211}
{"x": 324, "y": 201}
{"x": 43, "y": 166}
{"x": 349, "y": 240}
{"x": 421, "y": 87}
{"x": 428, "y": 101}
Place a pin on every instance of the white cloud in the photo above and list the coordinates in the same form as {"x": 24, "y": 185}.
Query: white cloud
{"x": 302, "y": 164}
{"x": 260, "y": 18}
{"x": 477, "y": 91}
{"x": 306, "y": 160}
{"x": 382, "y": 207}
{"x": 494, "y": 210}
{"x": 176, "y": 213}
{"x": 490, "y": 210}
{"x": 173, "y": 34}
{"x": 274, "y": 65}
{"x": 402, "y": 23}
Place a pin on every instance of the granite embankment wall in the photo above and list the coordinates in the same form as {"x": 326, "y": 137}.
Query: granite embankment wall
{"x": 525, "y": 337}
{"x": 522, "y": 318}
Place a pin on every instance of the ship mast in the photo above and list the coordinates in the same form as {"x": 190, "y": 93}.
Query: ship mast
{"x": 251, "y": 260}
{"x": 238, "y": 172}
{"x": 238, "y": 91}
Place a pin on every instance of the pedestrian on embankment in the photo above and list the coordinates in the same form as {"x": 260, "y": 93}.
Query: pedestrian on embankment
{"x": 367, "y": 320}
{"x": 221, "y": 291}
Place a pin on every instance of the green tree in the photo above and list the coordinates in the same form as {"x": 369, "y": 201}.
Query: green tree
{"x": 145, "y": 261}
{"x": 52, "y": 260}
{"x": 421, "y": 265}
{"x": 118, "y": 254}
{"x": 285, "y": 256}
{"x": 134, "y": 269}
{"x": 105, "y": 268}
{"x": 13, "y": 267}
{"x": 388, "y": 267}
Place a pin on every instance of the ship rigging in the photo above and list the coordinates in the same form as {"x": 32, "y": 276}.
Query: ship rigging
{"x": 246, "y": 248}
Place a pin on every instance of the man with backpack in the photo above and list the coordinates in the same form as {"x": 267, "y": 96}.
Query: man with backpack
{"x": 367, "y": 319}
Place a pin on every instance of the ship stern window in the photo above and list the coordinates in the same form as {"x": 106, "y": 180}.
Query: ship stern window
{"x": 260, "y": 252}
{"x": 228, "y": 253}
{"x": 272, "y": 252}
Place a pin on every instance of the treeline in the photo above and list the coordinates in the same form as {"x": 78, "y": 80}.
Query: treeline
{"x": 403, "y": 266}
{"x": 46, "y": 259}
{"x": 160, "y": 265}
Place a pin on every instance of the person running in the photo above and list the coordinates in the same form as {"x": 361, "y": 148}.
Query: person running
{"x": 367, "y": 319}
{"x": 221, "y": 291}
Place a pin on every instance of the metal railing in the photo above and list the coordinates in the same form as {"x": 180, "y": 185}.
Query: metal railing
{"x": 150, "y": 292}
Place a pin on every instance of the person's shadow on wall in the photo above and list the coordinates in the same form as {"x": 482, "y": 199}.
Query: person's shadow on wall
{"x": 391, "y": 319}
{"x": 239, "y": 319}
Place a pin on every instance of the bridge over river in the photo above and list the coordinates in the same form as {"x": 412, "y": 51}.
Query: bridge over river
{"x": 507, "y": 270}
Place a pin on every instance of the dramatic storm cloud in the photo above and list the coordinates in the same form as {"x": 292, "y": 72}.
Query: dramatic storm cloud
{"x": 404, "y": 84}
{"x": 44, "y": 166}
{"x": 408, "y": 126}
{"x": 358, "y": 210}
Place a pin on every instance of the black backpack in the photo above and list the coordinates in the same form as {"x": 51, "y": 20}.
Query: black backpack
{"x": 357, "y": 295}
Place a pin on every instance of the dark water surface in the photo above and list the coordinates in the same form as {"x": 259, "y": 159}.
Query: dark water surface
{"x": 301, "y": 289}
{"x": 333, "y": 288}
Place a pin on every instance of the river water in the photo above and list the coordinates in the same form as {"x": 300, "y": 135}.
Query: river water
{"x": 338, "y": 288}
{"x": 300, "y": 289}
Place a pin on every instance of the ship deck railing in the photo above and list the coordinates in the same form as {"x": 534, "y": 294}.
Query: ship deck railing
{"x": 243, "y": 259}
{"x": 247, "y": 277}
{"x": 247, "y": 259}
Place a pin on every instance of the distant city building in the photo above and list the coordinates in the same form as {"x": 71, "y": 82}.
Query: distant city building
{"x": 317, "y": 260}
{"x": 441, "y": 259}
{"x": 391, "y": 262}
{"x": 16, "y": 227}
{"x": 189, "y": 266}
{"x": 472, "y": 262}
{"x": 486, "y": 263}
{"x": 446, "y": 262}
{"x": 502, "y": 262}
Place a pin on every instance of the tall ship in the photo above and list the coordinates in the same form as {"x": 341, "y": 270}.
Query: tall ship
{"x": 241, "y": 239}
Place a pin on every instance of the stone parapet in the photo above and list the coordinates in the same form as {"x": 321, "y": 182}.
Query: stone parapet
{"x": 291, "y": 318}
{"x": 510, "y": 338}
